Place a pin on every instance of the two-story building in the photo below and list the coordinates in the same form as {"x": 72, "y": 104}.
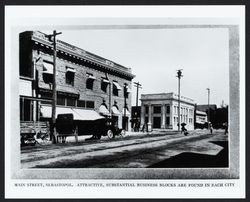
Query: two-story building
{"x": 161, "y": 111}
{"x": 87, "y": 85}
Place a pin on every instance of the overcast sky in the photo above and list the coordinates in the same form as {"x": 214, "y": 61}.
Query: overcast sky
{"x": 155, "y": 54}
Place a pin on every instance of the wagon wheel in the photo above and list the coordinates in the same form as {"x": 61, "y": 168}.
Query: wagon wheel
{"x": 110, "y": 134}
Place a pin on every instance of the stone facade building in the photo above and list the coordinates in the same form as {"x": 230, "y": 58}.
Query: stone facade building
{"x": 161, "y": 111}
{"x": 85, "y": 81}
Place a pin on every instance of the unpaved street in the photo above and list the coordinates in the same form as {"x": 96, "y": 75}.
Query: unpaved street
{"x": 135, "y": 151}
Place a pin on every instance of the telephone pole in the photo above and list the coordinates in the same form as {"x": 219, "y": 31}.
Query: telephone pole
{"x": 208, "y": 114}
{"x": 54, "y": 97}
{"x": 179, "y": 75}
{"x": 125, "y": 104}
{"x": 137, "y": 85}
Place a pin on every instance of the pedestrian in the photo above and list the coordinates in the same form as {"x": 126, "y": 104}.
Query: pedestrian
{"x": 211, "y": 128}
{"x": 183, "y": 129}
{"x": 143, "y": 128}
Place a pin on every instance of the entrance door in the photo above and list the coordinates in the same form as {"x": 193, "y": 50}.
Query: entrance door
{"x": 157, "y": 122}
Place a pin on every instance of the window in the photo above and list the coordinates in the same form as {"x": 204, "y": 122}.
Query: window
{"x": 26, "y": 109}
{"x": 104, "y": 84}
{"x": 81, "y": 103}
{"x": 71, "y": 102}
{"x": 168, "y": 109}
{"x": 116, "y": 88}
{"x": 70, "y": 76}
{"x": 157, "y": 109}
{"x": 146, "y": 109}
{"x": 90, "y": 104}
{"x": 60, "y": 101}
{"x": 25, "y": 55}
{"x": 48, "y": 69}
{"x": 90, "y": 81}
{"x": 46, "y": 96}
{"x": 90, "y": 84}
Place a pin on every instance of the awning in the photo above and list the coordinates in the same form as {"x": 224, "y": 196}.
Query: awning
{"x": 48, "y": 68}
{"x": 105, "y": 81}
{"x": 127, "y": 112}
{"x": 78, "y": 114}
{"x": 87, "y": 114}
{"x": 115, "y": 111}
{"x": 103, "y": 110}
{"x": 71, "y": 70}
{"x": 117, "y": 85}
{"x": 91, "y": 77}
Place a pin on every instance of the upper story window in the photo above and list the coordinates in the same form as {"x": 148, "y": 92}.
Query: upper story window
{"x": 104, "y": 84}
{"x": 70, "y": 75}
{"x": 157, "y": 109}
{"x": 116, "y": 88}
{"x": 25, "y": 55}
{"x": 168, "y": 109}
{"x": 48, "y": 69}
{"x": 90, "y": 81}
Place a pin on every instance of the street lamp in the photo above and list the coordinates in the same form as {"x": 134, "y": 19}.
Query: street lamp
{"x": 179, "y": 75}
{"x": 208, "y": 114}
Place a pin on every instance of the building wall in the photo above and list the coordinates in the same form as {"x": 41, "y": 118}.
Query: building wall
{"x": 42, "y": 54}
{"x": 167, "y": 112}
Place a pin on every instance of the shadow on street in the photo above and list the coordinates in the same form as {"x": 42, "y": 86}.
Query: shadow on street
{"x": 194, "y": 160}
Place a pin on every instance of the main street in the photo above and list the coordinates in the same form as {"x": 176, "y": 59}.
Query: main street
{"x": 136, "y": 150}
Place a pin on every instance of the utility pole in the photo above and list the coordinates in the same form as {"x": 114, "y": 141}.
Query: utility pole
{"x": 137, "y": 85}
{"x": 208, "y": 114}
{"x": 179, "y": 75}
{"x": 54, "y": 97}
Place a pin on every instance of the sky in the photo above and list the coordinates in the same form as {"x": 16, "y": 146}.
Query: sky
{"x": 155, "y": 54}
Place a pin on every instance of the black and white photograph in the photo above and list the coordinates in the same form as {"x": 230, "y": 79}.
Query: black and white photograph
{"x": 132, "y": 100}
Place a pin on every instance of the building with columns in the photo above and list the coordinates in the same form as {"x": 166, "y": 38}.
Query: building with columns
{"x": 88, "y": 85}
{"x": 161, "y": 111}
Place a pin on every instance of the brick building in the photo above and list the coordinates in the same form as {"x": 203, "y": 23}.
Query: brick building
{"x": 161, "y": 111}
{"x": 88, "y": 84}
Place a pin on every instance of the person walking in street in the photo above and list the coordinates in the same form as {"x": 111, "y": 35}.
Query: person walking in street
{"x": 183, "y": 129}
{"x": 211, "y": 128}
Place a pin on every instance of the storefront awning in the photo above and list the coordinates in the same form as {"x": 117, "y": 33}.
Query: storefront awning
{"x": 117, "y": 85}
{"x": 103, "y": 110}
{"x": 127, "y": 112}
{"x": 78, "y": 114}
{"x": 48, "y": 68}
{"x": 115, "y": 111}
